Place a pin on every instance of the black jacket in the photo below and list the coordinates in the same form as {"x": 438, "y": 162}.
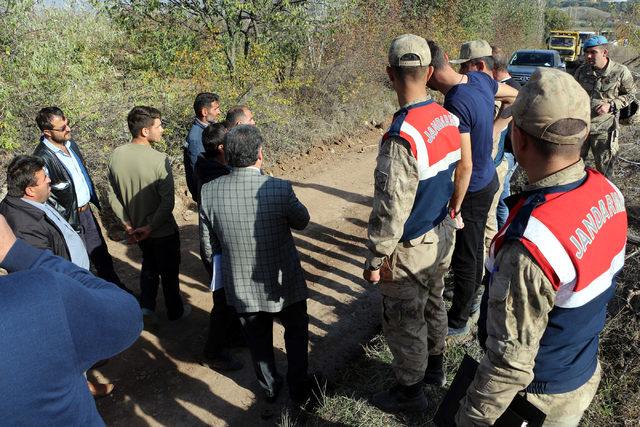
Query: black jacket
{"x": 207, "y": 169}
{"x": 63, "y": 193}
{"x": 33, "y": 226}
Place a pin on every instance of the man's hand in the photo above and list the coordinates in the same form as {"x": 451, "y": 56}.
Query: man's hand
{"x": 603, "y": 108}
{"x": 371, "y": 276}
{"x": 141, "y": 233}
{"x": 7, "y": 238}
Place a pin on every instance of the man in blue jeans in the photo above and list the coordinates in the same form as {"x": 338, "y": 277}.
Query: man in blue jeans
{"x": 501, "y": 75}
{"x": 470, "y": 97}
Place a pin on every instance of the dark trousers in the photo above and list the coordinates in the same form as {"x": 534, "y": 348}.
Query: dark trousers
{"x": 224, "y": 325}
{"x": 468, "y": 254}
{"x": 97, "y": 249}
{"x": 161, "y": 261}
{"x": 258, "y": 328}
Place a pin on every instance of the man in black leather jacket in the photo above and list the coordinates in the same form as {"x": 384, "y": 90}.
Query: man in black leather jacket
{"x": 72, "y": 188}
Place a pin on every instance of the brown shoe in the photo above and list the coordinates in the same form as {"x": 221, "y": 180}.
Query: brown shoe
{"x": 99, "y": 390}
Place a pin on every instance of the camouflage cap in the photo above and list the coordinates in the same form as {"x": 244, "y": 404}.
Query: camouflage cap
{"x": 549, "y": 96}
{"x": 409, "y": 50}
{"x": 473, "y": 50}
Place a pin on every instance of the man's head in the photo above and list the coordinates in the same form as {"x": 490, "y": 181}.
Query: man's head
{"x": 475, "y": 56}
{"x": 239, "y": 115}
{"x": 145, "y": 122}
{"x": 213, "y": 139}
{"x": 207, "y": 106}
{"x": 26, "y": 177}
{"x": 53, "y": 125}
{"x": 409, "y": 61}
{"x": 499, "y": 63}
{"x": 551, "y": 118}
{"x": 596, "y": 52}
{"x": 243, "y": 146}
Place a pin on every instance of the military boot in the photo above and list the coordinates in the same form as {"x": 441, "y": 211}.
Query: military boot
{"x": 435, "y": 373}
{"x": 401, "y": 398}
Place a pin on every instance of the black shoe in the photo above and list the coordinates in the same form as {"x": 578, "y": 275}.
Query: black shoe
{"x": 435, "y": 374}
{"x": 223, "y": 361}
{"x": 401, "y": 399}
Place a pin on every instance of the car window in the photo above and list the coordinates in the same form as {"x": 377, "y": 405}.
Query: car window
{"x": 562, "y": 41}
{"x": 532, "y": 59}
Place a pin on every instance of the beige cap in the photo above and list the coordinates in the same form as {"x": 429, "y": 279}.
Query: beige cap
{"x": 549, "y": 96}
{"x": 473, "y": 50}
{"x": 409, "y": 44}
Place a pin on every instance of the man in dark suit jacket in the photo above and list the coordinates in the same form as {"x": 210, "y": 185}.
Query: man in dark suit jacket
{"x": 246, "y": 218}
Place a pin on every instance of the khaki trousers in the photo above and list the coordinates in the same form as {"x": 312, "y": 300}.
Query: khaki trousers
{"x": 414, "y": 317}
{"x": 566, "y": 409}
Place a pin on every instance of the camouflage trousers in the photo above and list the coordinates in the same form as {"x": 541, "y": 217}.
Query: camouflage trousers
{"x": 491, "y": 228}
{"x": 566, "y": 409}
{"x": 414, "y": 316}
{"x": 603, "y": 146}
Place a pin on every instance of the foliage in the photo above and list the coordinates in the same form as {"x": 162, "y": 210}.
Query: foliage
{"x": 556, "y": 19}
{"x": 310, "y": 70}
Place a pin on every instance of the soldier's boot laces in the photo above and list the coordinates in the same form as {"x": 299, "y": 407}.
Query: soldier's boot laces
{"x": 401, "y": 398}
{"x": 435, "y": 373}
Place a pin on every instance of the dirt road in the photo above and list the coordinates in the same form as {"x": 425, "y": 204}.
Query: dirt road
{"x": 159, "y": 381}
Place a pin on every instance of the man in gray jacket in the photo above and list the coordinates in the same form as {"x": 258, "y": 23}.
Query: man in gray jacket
{"x": 245, "y": 222}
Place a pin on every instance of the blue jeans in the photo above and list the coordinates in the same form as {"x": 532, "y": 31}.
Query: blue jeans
{"x": 502, "y": 212}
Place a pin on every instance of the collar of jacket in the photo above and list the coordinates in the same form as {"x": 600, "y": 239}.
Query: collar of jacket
{"x": 28, "y": 209}
{"x": 570, "y": 174}
{"x": 249, "y": 170}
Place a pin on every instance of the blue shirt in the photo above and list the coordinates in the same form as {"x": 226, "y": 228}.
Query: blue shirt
{"x": 192, "y": 149}
{"x": 75, "y": 245}
{"x": 72, "y": 165}
{"x": 473, "y": 104}
{"x": 57, "y": 320}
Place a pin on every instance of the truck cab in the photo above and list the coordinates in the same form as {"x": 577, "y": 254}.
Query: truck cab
{"x": 566, "y": 43}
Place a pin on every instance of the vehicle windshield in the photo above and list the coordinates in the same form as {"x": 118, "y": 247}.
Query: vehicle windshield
{"x": 562, "y": 42}
{"x": 532, "y": 59}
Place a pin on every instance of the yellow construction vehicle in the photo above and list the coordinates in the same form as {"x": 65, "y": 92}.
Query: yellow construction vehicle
{"x": 567, "y": 43}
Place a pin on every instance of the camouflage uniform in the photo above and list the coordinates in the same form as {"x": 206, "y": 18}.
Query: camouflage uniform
{"x": 412, "y": 273}
{"x": 519, "y": 301}
{"x": 612, "y": 84}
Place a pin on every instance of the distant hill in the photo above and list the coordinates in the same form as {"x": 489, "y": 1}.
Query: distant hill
{"x": 584, "y": 13}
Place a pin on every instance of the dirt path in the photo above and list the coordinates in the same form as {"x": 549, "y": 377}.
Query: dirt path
{"x": 159, "y": 381}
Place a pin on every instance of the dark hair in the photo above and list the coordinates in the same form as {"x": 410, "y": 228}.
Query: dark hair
{"x": 21, "y": 174}
{"x": 563, "y": 127}
{"x": 241, "y": 145}
{"x": 438, "y": 59}
{"x": 409, "y": 73}
{"x": 43, "y": 119}
{"x": 212, "y": 136}
{"x": 203, "y": 100}
{"x": 141, "y": 117}
{"x": 488, "y": 60}
{"x": 234, "y": 115}
{"x": 499, "y": 59}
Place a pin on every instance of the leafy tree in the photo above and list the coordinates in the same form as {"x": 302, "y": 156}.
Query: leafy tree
{"x": 556, "y": 19}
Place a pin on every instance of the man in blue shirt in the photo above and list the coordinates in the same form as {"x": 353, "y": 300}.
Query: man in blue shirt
{"x": 470, "y": 97}
{"x": 57, "y": 321}
{"x": 207, "y": 109}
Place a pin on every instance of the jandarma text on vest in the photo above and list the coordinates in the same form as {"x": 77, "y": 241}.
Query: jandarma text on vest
{"x": 606, "y": 208}
{"x": 438, "y": 124}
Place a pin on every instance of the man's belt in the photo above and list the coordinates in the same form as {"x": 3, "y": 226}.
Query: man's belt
{"x": 83, "y": 208}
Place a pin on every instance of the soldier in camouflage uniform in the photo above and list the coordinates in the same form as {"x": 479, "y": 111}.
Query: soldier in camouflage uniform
{"x": 548, "y": 290}
{"x": 611, "y": 87}
{"x": 416, "y": 208}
